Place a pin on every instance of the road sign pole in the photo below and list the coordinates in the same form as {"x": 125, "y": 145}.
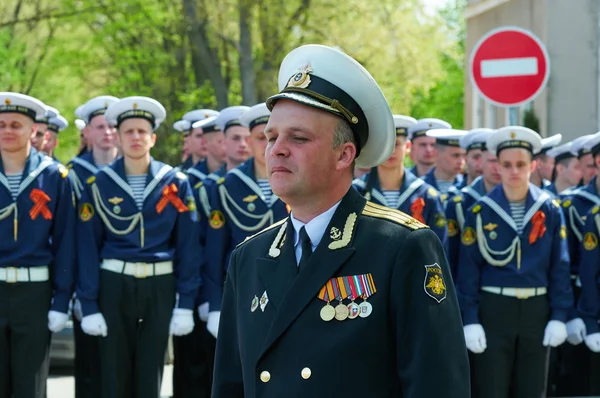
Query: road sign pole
{"x": 512, "y": 116}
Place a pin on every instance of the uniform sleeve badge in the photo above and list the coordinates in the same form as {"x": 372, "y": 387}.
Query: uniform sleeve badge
{"x": 452, "y": 228}
{"x": 434, "y": 283}
{"x": 217, "y": 219}
{"x": 86, "y": 212}
{"x": 590, "y": 241}
{"x": 468, "y": 236}
{"x": 440, "y": 220}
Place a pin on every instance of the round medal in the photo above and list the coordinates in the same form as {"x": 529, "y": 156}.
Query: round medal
{"x": 493, "y": 235}
{"x": 254, "y": 305}
{"x": 365, "y": 309}
{"x": 327, "y": 313}
{"x": 116, "y": 209}
{"x": 353, "y": 310}
{"x": 341, "y": 312}
{"x": 251, "y": 207}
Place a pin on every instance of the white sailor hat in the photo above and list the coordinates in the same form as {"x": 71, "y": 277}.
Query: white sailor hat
{"x": 57, "y": 124}
{"x": 327, "y": 79}
{"x": 23, "y": 104}
{"x": 561, "y": 152}
{"x": 183, "y": 126}
{"x": 549, "y": 143}
{"x": 447, "y": 137}
{"x": 78, "y": 111}
{"x": 476, "y": 139}
{"x": 95, "y": 106}
{"x": 402, "y": 123}
{"x": 208, "y": 125}
{"x": 80, "y": 124}
{"x": 48, "y": 114}
{"x": 199, "y": 114}
{"x": 422, "y": 126}
{"x": 257, "y": 114}
{"x": 579, "y": 145}
{"x": 593, "y": 144}
{"x": 138, "y": 108}
{"x": 514, "y": 137}
{"x": 230, "y": 116}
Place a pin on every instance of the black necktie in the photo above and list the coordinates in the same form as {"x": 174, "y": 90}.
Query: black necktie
{"x": 306, "y": 248}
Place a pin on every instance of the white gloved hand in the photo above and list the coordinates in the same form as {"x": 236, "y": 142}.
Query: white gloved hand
{"x": 94, "y": 325}
{"x": 213, "y": 323}
{"x": 576, "y": 331}
{"x": 182, "y": 322}
{"x": 555, "y": 334}
{"x": 77, "y": 310}
{"x": 593, "y": 342}
{"x": 203, "y": 311}
{"x": 57, "y": 321}
{"x": 475, "y": 338}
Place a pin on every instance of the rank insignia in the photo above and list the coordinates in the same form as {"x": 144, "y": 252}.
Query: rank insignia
{"x": 566, "y": 203}
{"x": 468, "y": 236}
{"x": 432, "y": 192}
{"x": 452, "y": 228}
{"x": 490, "y": 227}
{"x": 563, "y": 232}
{"x": 217, "y": 219}
{"x": 476, "y": 209}
{"x": 434, "y": 284}
{"x": 335, "y": 233}
{"x": 86, "y": 212}
{"x": 115, "y": 200}
{"x": 302, "y": 78}
{"x": 440, "y": 220}
{"x": 590, "y": 241}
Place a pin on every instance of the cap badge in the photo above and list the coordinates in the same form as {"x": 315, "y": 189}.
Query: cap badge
{"x": 302, "y": 78}
{"x": 135, "y": 105}
{"x": 7, "y": 101}
{"x": 430, "y": 125}
{"x": 513, "y": 135}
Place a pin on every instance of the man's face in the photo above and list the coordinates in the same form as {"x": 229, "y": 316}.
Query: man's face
{"x": 136, "y": 138}
{"x": 301, "y": 160}
{"x": 236, "y": 144}
{"x": 197, "y": 143}
{"x": 398, "y": 155}
{"x": 490, "y": 168}
{"x": 451, "y": 159}
{"x": 572, "y": 171}
{"x": 40, "y": 136}
{"x": 588, "y": 168}
{"x": 545, "y": 165}
{"x": 474, "y": 162}
{"x": 101, "y": 134}
{"x": 16, "y": 131}
{"x": 423, "y": 151}
{"x": 516, "y": 167}
{"x": 215, "y": 145}
{"x": 257, "y": 142}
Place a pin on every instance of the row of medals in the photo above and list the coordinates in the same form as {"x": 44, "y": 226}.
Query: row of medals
{"x": 342, "y": 311}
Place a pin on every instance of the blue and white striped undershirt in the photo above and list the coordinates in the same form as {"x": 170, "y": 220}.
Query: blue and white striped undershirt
{"x": 392, "y": 197}
{"x": 14, "y": 180}
{"x": 266, "y": 189}
{"x": 517, "y": 211}
{"x": 138, "y": 184}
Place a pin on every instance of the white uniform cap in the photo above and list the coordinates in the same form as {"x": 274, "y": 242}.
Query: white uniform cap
{"x": 257, "y": 114}
{"x": 579, "y": 144}
{"x": 563, "y": 151}
{"x": 230, "y": 117}
{"x": 476, "y": 139}
{"x": 57, "y": 124}
{"x": 95, "y": 106}
{"x": 402, "y": 123}
{"x": 182, "y": 126}
{"x": 593, "y": 144}
{"x": 207, "y": 125}
{"x": 80, "y": 124}
{"x": 549, "y": 143}
{"x": 447, "y": 137}
{"x": 136, "y": 108}
{"x": 514, "y": 137}
{"x": 199, "y": 114}
{"x": 327, "y": 79}
{"x": 23, "y": 104}
{"x": 422, "y": 126}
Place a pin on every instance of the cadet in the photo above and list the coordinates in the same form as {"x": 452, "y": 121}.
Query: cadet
{"x": 456, "y": 209}
{"x": 379, "y": 272}
{"x": 84, "y": 143}
{"x": 242, "y": 204}
{"x": 390, "y": 185}
{"x": 138, "y": 263}
{"x": 103, "y": 152}
{"x": 206, "y": 143}
{"x": 567, "y": 170}
{"x": 586, "y": 160}
{"x": 37, "y": 224}
{"x": 56, "y": 124}
{"x": 185, "y": 128}
{"x": 41, "y": 127}
{"x": 542, "y": 174}
{"x": 236, "y": 135}
{"x": 450, "y": 162}
{"x": 513, "y": 279}
{"x": 473, "y": 156}
{"x": 423, "y": 152}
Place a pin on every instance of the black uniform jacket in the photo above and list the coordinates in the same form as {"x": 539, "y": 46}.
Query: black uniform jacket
{"x": 412, "y": 344}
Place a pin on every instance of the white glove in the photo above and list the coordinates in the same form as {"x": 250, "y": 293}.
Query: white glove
{"x": 593, "y": 342}
{"x": 213, "y": 322}
{"x": 77, "y": 310}
{"x": 57, "y": 321}
{"x": 555, "y": 334}
{"x": 182, "y": 322}
{"x": 475, "y": 338}
{"x": 203, "y": 312}
{"x": 576, "y": 331}
{"x": 94, "y": 325}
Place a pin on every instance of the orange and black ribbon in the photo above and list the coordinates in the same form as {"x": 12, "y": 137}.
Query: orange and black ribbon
{"x": 170, "y": 196}
{"x": 539, "y": 228}
{"x": 40, "y": 201}
{"x": 417, "y": 209}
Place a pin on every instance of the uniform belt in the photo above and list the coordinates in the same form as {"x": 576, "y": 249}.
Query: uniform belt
{"x": 518, "y": 292}
{"x": 24, "y": 274}
{"x": 138, "y": 270}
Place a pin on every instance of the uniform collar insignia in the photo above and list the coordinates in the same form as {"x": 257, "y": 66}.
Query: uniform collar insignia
{"x": 346, "y": 235}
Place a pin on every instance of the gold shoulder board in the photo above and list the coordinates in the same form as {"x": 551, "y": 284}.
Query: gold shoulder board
{"x": 374, "y": 210}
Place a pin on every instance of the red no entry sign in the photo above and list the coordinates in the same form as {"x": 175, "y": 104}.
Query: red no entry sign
{"x": 509, "y": 66}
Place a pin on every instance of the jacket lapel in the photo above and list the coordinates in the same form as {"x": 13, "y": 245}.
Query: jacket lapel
{"x": 324, "y": 263}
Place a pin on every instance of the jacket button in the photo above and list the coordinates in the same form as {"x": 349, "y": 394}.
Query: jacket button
{"x": 265, "y": 376}
{"x": 306, "y": 373}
